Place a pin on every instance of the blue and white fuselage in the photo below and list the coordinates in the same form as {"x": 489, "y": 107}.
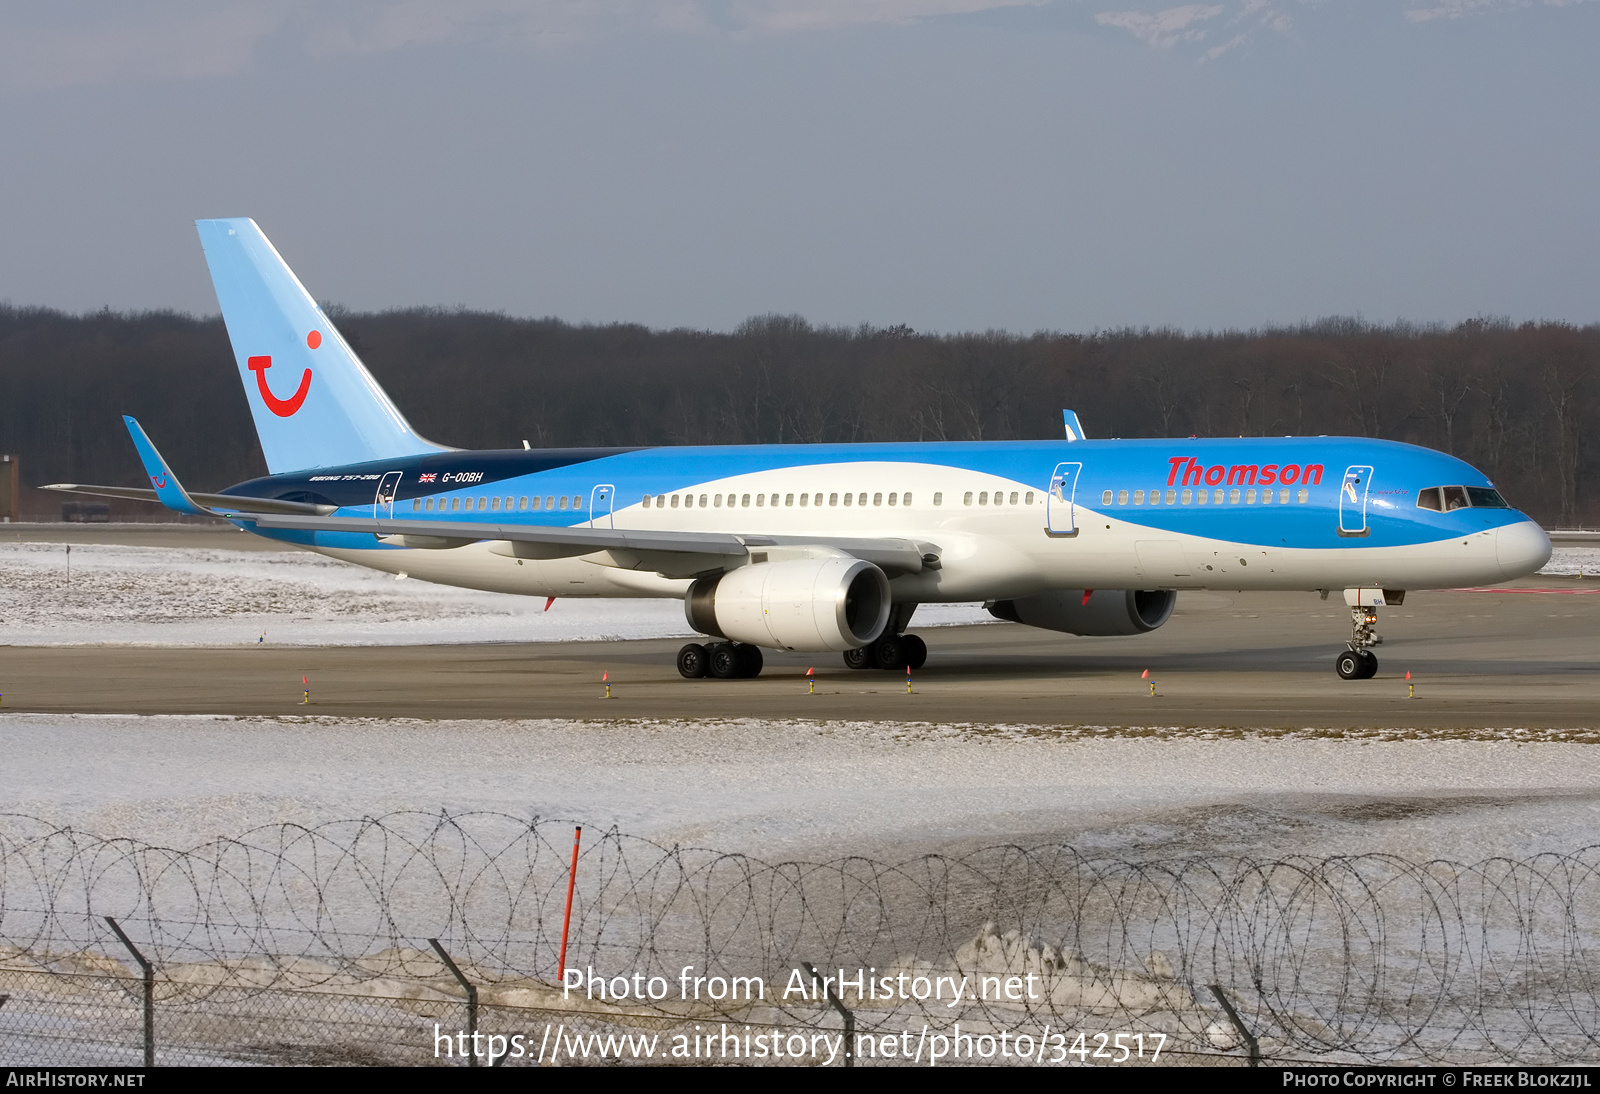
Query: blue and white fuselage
{"x": 1180, "y": 514}
{"x": 829, "y": 546}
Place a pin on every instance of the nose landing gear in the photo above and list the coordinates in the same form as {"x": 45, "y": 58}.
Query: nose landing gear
{"x": 1358, "y": 662}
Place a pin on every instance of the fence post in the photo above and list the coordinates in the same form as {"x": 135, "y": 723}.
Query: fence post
{"x": 838, "y": 1005}
{"x": 472, "y": 1001}
{"x": 1250, "y": 1042}
{"x": 149, "y": 994}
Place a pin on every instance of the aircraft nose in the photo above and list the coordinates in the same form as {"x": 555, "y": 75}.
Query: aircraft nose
{"x": 1521, "y": 549}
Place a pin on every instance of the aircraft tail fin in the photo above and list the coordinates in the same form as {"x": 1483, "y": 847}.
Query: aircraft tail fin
{"x": 314, "y": 403}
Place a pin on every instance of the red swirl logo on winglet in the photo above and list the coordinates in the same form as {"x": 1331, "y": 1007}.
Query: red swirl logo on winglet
{"x": 283, "y": 408}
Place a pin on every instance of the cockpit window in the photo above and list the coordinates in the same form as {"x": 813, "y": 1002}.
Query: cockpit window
{"x": 1449, "y": 498}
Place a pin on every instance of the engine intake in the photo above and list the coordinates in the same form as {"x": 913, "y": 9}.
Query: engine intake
{"x": 807, "y": 604}
{"x": 1103, "y": 612}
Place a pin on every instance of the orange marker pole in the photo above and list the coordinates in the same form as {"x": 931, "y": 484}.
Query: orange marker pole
{"x": 908, "y": 679}
{"x": 605, "y": 678}
{"x": 305, "y": 684}
{"x": 1411, "y": 688}
{"x": 811, "y": 681}
{"x": 572, "y": 882}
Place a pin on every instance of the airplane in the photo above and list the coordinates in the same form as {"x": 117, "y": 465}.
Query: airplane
{"x": 829, "y": 547}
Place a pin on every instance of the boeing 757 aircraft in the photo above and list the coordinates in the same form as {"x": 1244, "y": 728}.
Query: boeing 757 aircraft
{"x": 830, "y": 546}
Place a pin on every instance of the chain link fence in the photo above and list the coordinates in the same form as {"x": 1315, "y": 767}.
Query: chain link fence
{"x": 306, "y": 945}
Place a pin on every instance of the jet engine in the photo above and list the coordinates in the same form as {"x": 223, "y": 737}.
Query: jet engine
{"x": 1101, "y": 612}
{"x": 806, "y": 604}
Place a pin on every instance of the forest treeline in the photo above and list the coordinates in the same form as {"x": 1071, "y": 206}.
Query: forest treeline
{"x": 1522, "y": 402}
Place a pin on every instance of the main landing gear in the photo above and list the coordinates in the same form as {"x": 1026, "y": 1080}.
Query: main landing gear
{"x": 892, "y": 651}
{"x": 1358, "y": 662}
{"x": 722, "y": 660}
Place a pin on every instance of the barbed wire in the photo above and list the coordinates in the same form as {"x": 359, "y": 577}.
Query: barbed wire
{"x": 1364, "y": 957}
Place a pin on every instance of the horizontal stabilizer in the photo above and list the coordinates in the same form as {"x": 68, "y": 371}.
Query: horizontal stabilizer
{"x": 207, "y": 501}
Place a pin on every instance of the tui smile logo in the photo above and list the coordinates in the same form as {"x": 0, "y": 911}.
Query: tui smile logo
{"x": 283, "y": 408}
{"x": 159, "y": 481}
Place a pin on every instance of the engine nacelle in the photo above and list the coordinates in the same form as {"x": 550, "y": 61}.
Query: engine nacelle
{"x": 1105, "y": 612}
{"x": 806, "y": 604}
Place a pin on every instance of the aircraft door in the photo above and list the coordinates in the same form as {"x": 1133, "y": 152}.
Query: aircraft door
{"x": 601, "y": 499}
{"x": 383, "y": 503}
{"x": 1353, "y": 501}
{"x": 1058, "y": 500}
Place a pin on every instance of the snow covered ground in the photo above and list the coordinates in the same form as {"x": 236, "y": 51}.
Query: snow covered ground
{"x": 105, "y": 594}
{"x": 817, "y": 789}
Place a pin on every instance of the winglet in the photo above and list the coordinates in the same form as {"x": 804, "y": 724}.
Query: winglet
{"x": 168, "y": 488}
{"x": 1069, "y": 418}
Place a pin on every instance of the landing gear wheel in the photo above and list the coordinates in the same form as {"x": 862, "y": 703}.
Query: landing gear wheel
{"x": 1369, "y": 665}
{"x": 750, "y": 661}
{"x": 859, "y": 658}
{"x": 913, "y": 651}
{"x": 692, "y": 661}
{"x": 1349, "y": 665}
{"x": 886, "y": 652}
{"x": 723, "y": 660}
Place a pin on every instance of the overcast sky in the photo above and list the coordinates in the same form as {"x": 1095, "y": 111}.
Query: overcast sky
{"x": 949, "y": 164}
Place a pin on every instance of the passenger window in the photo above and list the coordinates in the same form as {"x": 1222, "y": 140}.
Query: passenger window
{"x": 563, "y": 501}
{"x": 1455, "y": 497}
{"x": 522, "y": 503}
{"x": 1428, "y": 498}
{"x": 1304, "y": 494}
{"x": 509, "y": 503}
{"x": 905, "y": 499}
{"x": 1029, "y": 499}
{"x": 1172, "y": 496}
{"x": 848, "y": 498}
{"x": 891, "y": 499}
{"x": 861, "y": 499}
{"x": 803, "y": 499}
{"x": 968, "y": 499}
{"x": 549, "y": 501}
{"x": 1138, "y": 497}
{"x": 774, "y": 501}
{"x": 429, "y": 506}
{"x": 1188, "y": 496}
{"x": 817, "y": 500}
{"x": 1233, "y": 496}
{"x": 1216, "y": 499}
{"x": 646, "y": 502}
{"x": 1249, "y": 497}
{"x": 788, "y": 499}
{"x": 938, "y": 497}
{"x": 494, "y": 503}
{"x": 688, "y": 501}
{"x": 482, "y": 502}
{"x": 702, "y": 501}
{"x": 833, "y": 499}
{"x": 416, "y": 504}
{"x": 1013, "y": 497}
{"x": 745, "y": 502}
{"x": 1283, "y": 497}
{"x": 1122, "y": 497}
{"x": 1155, "y": 497}
{"x": 1105, "y": 499}
{"x": 1201, "y": 496}
{"x": 983, "y": 497}
{"x": 1266, "y": 497}
{"x": 761, "y": 499}
{"x": 877, "y": 499}
{"x": 717, "y": 502}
